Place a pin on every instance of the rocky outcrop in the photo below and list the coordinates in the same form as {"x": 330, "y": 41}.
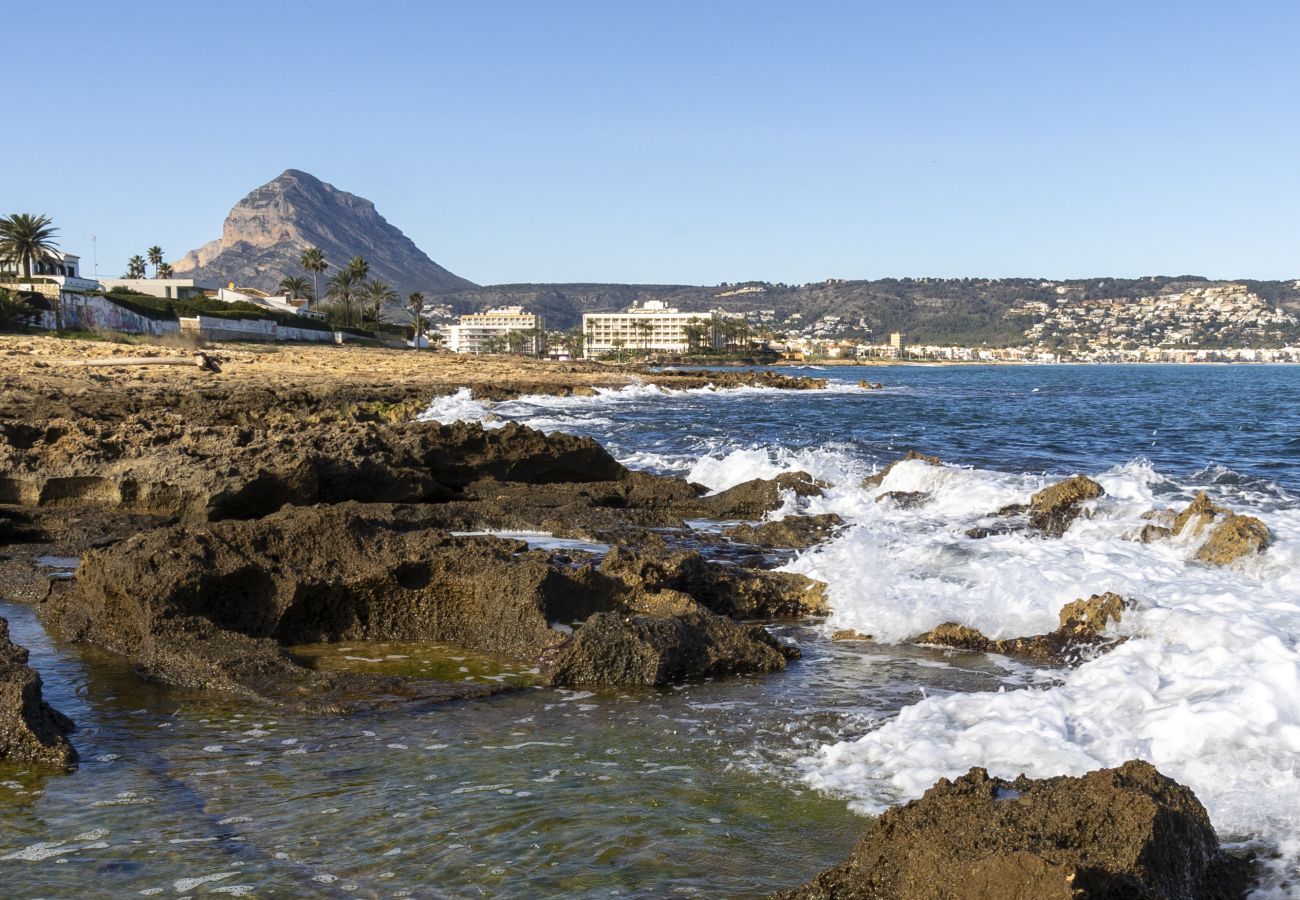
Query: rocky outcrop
{"x": 792, "y": 532}
{"x": 1225, "y": 536}
{"x": 1082, "y": 629}
{"x": 753, "y": 499}
{"x": 727, "y": 590}
{"x": 265, "y": 234}
{"x": 31, "y": 731}
{"x": 613, "y": 648}
{"x": 214, "y": 605}
{"x": 912, "y": 455}
{"x": 1127, "y": 832}
{"x": 722, "y": 378}
{"x": 159, "y": 464}
{"x": 1053, "y": 509}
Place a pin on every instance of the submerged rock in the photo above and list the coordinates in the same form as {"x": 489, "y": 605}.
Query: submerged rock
{"x": 875, "y": 480}
{"x": 611, "y": 648}
{"x": 31, "y": 731}
{"x": 1228, "y": 536}
{"x": 1082, "y": 627}
{"x": 1053, "y": 509}
{"x": 905, "y": 499}
{"x": 793, "y": 532}
{"x": 1127, "y": 833}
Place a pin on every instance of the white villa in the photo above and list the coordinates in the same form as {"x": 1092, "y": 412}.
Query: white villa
{"x": 650, "y": 325}
{"x": 61, "y": 273}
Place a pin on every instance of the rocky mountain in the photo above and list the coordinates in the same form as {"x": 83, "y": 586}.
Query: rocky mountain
{"x": 263, "y": 238}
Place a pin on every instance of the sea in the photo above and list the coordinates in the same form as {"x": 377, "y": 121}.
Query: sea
{"x": 738, "y": 787}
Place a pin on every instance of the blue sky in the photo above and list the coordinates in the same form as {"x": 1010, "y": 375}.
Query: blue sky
{"x": 685, "y": 142}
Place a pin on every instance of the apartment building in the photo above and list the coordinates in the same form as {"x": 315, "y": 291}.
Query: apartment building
{"x": 650, "y": 325}
{"x": 489, "y": 332}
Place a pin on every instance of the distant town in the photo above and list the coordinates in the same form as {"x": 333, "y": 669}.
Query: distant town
{"x": 42, "y": 287}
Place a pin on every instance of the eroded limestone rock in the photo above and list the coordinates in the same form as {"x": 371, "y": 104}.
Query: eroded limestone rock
{"x": 1127, "y": 832}
{"x": 1083, "y": 623}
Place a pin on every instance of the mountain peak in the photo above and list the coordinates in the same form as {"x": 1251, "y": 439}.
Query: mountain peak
{"x": 264, "y": 235}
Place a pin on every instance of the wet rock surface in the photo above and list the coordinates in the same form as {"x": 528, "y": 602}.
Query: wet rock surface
{"x": 752, "y": 499}
{"x": 1082, "y": 629}
{"x": 214, "y": 605}
{"x": 614, "y": 648}
{"x": 31, "y": 731}
{"x": 724, "y": 589}
{"x": 794, "y": 532}
{"x": 1127, "y": 833}
{"x": 1225, "y": 536}
{"x": 1053, "y": 509}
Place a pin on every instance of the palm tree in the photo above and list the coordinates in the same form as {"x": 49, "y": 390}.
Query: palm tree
{"x": 575, "y": 342}
{"x": 313, "y": 260}
{"x": 26, "y": 239}
{"x": 294, "y": 286}
{"x": 359, "y": 268}
{"x": 644, "y": 328}
{"x": 155, "y": 256}
{"x": 415, "y": 303}
{"x": 165, "y": 270}
{"x": 342, "y": 289}
{"x": 135, "y": 267}
{"x": 378, "y": 293}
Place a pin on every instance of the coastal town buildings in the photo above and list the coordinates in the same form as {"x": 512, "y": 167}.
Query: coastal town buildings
{"x": 648, "y": 325}
{"x": 496, "y": 330}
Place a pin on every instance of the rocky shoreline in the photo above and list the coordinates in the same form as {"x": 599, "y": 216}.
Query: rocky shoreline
{"x": 223, "y": 518}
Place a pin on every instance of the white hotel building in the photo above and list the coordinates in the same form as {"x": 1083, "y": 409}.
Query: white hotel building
{"x": 486, "y": 332}
{"x": 650, "y": 325}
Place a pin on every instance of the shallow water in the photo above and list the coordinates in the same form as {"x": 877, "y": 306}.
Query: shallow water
{"x": 534, "y": 793}
{"x": 738, "y": 787}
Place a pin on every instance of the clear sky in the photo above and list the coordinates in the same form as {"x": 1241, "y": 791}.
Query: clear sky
{"x": 691, "y": 142}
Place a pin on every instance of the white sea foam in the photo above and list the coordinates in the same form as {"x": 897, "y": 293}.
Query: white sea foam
{"x": 1207, "y": 687}
{"x": 550, "y": 413}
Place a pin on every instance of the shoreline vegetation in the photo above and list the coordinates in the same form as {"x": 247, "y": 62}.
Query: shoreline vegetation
{"x": 289, "y": 497}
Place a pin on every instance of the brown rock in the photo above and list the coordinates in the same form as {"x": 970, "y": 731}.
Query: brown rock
{"x": 1230, "y": 536}
{"x": 848, "y": 634}
{"x": 1121, "y": 833}
{"x": 159, "y": 464}
{"x": 794, "y": 532}
{"x": 1054, "y": 508}
{"x": 754, "y": 499}
{"x": 1082, "y": 627}
{"x": 31, "y": 731}
{"x": 613, "y": 648}
{"x": 728, "y": 590}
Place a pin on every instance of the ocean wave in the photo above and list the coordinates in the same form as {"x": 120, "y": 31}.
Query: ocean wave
{"x": 1207, "y": 686}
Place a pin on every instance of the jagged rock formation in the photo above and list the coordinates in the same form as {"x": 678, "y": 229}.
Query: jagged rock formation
{"x": 1225, "y": 536}
{"x": 263, "y": 238}
{"x": 1127, "y": 832}
{"x": 1082, "y": 628}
